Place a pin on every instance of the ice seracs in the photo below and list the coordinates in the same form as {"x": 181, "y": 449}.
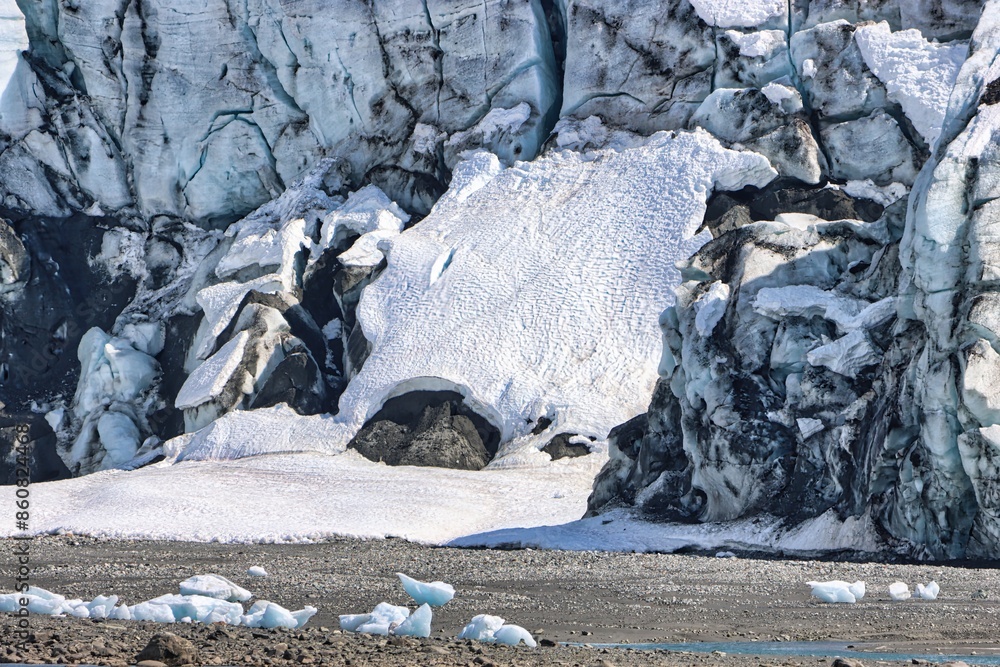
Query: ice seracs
{"x": 838, "y": 591}
{"x": 435, "y": 593}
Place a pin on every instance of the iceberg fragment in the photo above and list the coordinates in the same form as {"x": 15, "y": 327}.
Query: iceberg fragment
{"x": 899, "y": 591}
{"x": 214, "y": 586}
{"x": 512, "y": 635}
{"x": 928, "y": 592}
{"x": 418, "y": 624}
{"x": 257, "y": 571}
{"x": 265, "y": 614}
{"x": 435, "y": 593}
{"x": 838, "y": 591}
{"x": 481, "y": 628}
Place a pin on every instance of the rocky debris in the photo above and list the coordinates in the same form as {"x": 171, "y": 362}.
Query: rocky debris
{"x": 428, "y": 429}
{"x": 169, "y": 649}
{"x": 561, "y": 447}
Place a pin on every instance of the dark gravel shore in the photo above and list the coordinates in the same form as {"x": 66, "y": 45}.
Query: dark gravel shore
{"x": 577, "y": 597}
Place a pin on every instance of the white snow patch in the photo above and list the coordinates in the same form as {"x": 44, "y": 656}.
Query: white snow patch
{"x": 368, "y": 213}
{"x": 882, "y": 194}
{"x": 555, "y": 245}
{"x": 784, "y": 95}
{"x": 303, "y": 497}
{"x": 847, "y": 312}
{"x": 759, "y": 43}
{"x": 918, "y": 74}
{"x": 13, "y": 39}
{"x": 739, "y": 13}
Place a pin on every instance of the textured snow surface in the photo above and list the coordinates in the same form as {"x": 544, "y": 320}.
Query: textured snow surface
{"x": 917, "y": 74}
{"x": 309, "y": 496}
{"x": 536, "y": 293}
{"x": 740, "y": 13}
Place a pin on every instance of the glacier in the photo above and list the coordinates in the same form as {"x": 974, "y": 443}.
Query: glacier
{"x": 736, "y": 255}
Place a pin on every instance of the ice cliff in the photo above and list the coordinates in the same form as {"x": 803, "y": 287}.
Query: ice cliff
{"x": 443, "y": 232}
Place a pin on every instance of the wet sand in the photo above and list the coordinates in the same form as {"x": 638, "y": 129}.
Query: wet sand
{"x": 578, "y": 597}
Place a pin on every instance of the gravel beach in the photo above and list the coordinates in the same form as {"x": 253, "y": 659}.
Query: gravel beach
{"x": 562, "y": 597}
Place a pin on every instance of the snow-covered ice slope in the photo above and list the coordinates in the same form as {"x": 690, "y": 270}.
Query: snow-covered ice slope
{"x": 13, "y": 39}
{"x": 535, "y": 293}
{"x": 294, "y": 497}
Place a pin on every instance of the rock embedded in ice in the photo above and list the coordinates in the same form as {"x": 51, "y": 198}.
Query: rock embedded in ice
{"x": 257, "y": 571}
{"x": 214, "y": 586}
{"x": 928, "y": 592}
{"x": 417, "y": 624}
{"x": 899, "y": 591}
{"x": 435, "y": 593}
{"x": 512, "y": 635}
{"x": 481, "y": 628}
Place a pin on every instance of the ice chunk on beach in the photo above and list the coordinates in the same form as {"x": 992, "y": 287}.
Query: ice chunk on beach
{"x": 257, "y": 571}
{"x": 928, "y": 592}
{"x": 418, "y": 624}
{"x": 383, "y": 618}
{"x": 481, "y": 628}
{"x": 899, "y": 591}
{"x": 102, "y": 606}
{"x": 172, "y": 608}
{"x": 435, "y": 593}
{"x": 512, "y": 635}
{"x": 214, "y": 586}
{"x": 838, "y": 591}
{"x": 265, "y": 614}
